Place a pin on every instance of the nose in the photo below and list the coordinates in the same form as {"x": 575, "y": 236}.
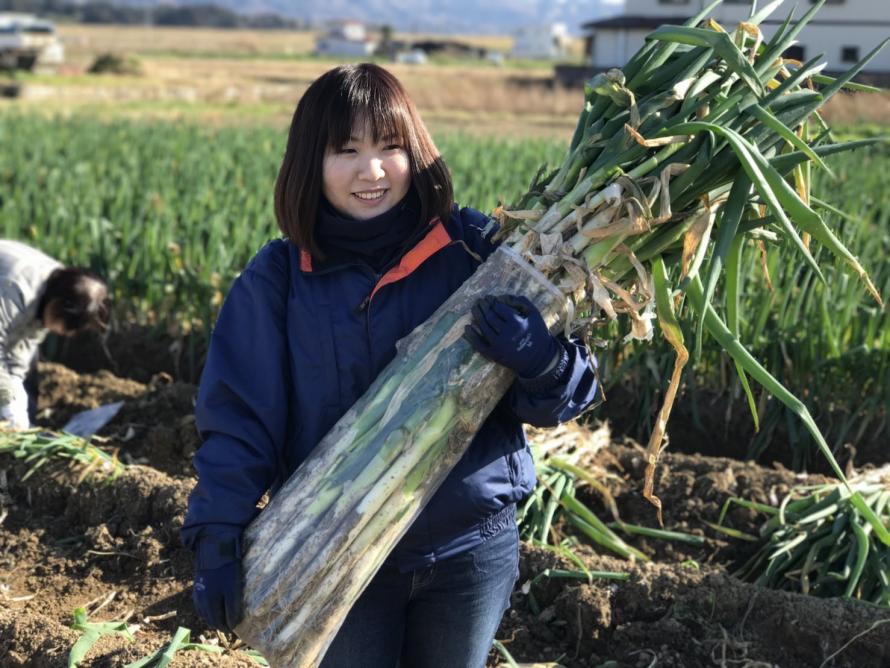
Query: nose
{"x": 373, "y": 170}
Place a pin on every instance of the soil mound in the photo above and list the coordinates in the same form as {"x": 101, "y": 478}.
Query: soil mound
{"x": 693, "y": 490}
{"x": 671, "y": 615}
{"x": 155, "y": 426}
{"x": 66, "y": 543}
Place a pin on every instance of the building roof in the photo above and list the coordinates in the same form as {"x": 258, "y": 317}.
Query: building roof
{"x": 633, "y": 21}
{"x": 652, "y": 22}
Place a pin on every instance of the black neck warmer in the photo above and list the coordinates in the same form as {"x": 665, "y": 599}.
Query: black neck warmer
{"x": 378, "y": 242}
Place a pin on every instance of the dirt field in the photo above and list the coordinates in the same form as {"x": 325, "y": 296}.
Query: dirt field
{"x": 64, "y": 545}
{"x": 234, "y": 76}
{"x": 83, "y": 41}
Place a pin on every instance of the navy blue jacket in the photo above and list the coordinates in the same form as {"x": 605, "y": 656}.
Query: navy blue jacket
{"x": 297, "y": 342}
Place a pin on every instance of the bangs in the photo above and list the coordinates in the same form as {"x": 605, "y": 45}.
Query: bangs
{"x": 369, "y": 99}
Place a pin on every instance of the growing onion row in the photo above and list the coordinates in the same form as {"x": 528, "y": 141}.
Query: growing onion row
{"x": 817, "y": 541}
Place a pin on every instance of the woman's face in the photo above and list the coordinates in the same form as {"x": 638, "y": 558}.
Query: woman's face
{"x": 365, "y": 178}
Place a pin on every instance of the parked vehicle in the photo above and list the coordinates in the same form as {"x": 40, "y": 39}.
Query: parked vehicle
{"x": 27, "y": 41}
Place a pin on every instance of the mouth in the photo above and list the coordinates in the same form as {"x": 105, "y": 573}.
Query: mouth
{"x": 370, "y": 195}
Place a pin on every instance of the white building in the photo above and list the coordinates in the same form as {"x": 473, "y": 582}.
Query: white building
{"x": 345, "y": 38}
{"x": 548, "y": 41}
{"x": 843, "y": 30}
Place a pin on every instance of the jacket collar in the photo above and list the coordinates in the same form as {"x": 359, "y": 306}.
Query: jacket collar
{"x": 378, "y": 242}
{"x": 436, "y": 238}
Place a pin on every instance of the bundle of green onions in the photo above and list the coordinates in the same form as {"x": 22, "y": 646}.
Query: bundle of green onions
{"x": 555, "y": 496}
{"x": 39, "y": 447}
{"x": 716, "y": 136}
{"x": 818, "y": 542}
{"x": 559, "y": 475}
{"x": 322, "y": 537}
{"x": 561, "y": 472}
{"x": 704, "y": 134}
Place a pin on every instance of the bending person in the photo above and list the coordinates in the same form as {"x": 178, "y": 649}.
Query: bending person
{"x": 38, "y": 295}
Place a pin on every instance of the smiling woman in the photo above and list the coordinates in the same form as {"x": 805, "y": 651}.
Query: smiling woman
{"x": 310, "y": 327}
{"x": 355, "y": 130}
{"x": 367, "y": 176}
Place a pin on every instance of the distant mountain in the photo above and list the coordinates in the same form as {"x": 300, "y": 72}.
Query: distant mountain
{"x": 438, "y": 16}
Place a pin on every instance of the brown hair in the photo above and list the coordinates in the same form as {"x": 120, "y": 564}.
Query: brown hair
{"x": 325, "y": 118}
{"x": 77, "y": 297}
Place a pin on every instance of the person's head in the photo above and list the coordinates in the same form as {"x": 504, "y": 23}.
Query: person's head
{"x": 73, "y": 300}
{"x": 357, "y": 139}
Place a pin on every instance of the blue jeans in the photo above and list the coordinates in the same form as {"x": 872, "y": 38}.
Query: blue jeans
{"x": 442, "y": 616}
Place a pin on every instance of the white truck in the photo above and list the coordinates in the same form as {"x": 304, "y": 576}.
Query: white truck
{"x": 27, "y": 41}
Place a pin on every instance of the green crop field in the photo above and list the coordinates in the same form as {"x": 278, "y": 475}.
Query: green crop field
{"x": 170, "y": 213}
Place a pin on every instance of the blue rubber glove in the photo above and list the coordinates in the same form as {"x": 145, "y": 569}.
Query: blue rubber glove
{"x": 509, "y": 330}
{"x": 219, "y": 582}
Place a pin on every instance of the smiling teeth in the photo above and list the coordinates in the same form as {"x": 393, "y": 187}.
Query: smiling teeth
{"x": 377, "y": 194}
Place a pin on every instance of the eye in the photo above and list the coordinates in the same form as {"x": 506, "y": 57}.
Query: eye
{"x": 392, "y": 147}
{"x": 347, "y": 149}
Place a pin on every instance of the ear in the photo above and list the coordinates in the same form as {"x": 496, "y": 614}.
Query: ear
{"x": 52, "y": 317}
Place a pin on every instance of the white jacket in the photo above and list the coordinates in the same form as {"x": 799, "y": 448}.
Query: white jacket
{"x": 23, "y": 274}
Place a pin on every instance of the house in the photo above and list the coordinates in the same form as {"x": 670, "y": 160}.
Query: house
{"x": 345, "y": 38}
{"x": 843, "y": 30}
{"x": 547, "y": 41}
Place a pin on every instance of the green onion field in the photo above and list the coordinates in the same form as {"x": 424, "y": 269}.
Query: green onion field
{"x": 763, "y": 558}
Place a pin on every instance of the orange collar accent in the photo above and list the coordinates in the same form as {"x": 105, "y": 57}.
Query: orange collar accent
{"x": 435, "y": 240}
{"x": 305, "y": 260}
